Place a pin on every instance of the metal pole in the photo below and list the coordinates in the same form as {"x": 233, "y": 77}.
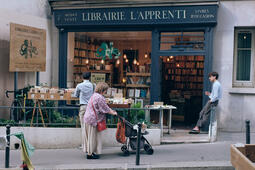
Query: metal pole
{"x": 7, "y": 148}
{"x": 248, "y": 139}
{"x": 161, "y": 122}
{"x": 37, "y": 78}
{"x": 138, "y": 144}
{"x": 15, "y": 81}
{"x": 15, "y": 103}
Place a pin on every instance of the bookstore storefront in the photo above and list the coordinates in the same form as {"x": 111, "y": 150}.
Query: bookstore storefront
{"x": 150, "y": 53}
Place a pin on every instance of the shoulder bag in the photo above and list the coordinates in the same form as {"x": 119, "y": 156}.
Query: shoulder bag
{"x": 100, "y": 125}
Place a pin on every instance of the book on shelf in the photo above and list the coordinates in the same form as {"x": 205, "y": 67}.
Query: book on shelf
{"x": 109, "y": 92}
{"x": 190, "y": 58}
{"x": 114, "y": 91}
{"x": 199, "y": 58}
{"x": 120, "y": 91}
{"x": 131, "y": 92}
{"x": 143, "y": 93}
{"x": 148, "y": 81}
{"x": 137, "y": 92}
{"x": 141, "y": 80}
{"x": 142, "y": 69}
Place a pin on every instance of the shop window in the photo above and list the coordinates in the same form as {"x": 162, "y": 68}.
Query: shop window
{"x": 243, "y": 58}
{"x": 121, "y": 59}
{"x": 182, "y": 41}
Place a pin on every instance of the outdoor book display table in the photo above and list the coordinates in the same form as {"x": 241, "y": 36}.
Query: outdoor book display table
{"x": 243, "y": 157}
{"x": 160, "y": 108}
{"x": 40, "y": 97}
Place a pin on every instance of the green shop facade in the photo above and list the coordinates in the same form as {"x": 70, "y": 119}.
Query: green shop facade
{"x": 159, "y": 18}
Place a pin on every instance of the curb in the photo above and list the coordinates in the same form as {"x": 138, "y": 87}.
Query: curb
{"x": 166, "y": 142}
{"x": 212, "y": 165}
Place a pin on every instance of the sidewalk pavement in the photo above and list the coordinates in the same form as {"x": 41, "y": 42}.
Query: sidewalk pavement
{"x": 210, "y": 156}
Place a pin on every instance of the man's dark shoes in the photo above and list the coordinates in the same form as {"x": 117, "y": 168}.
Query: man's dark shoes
{"x": 93, "y": 156}
{"x": 194, "y": 131}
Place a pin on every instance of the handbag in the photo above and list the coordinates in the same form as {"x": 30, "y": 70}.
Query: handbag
{"x": 100, "y": 125}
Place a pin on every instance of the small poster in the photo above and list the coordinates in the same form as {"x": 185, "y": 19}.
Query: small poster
{"x": 97, "y": 77}
{"x": 27, "y": 49}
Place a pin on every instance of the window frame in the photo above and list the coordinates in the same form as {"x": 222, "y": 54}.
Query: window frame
{"x": 238, "y": 83}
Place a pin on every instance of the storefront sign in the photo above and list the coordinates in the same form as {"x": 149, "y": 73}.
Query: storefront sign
{"x": 97, "y": 77}
{"x": 139, "y": 15}
{"x": 27, "y": 49}
{"x": 105, "y": 51}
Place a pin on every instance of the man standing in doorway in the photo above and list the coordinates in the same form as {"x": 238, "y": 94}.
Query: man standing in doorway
{"x": 84, "y": 91}
{"x": 214, "y": 98}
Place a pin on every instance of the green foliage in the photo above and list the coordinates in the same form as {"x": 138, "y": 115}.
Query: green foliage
{"x": 137, "y": 115}
{"x": 57, "y": 118}
{"x": 6, "y": 122}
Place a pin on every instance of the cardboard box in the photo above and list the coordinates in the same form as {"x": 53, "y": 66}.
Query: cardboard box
{"x": 33, "y": 95}
{"x": 67, "y": 96}
{"x": 53, "y": 96}
{"x": 61, "y": 97}
{"x": 43, "y": 96}
{"x": 158, "y": 103}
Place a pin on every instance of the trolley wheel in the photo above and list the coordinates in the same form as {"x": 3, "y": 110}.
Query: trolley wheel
{"x": 148, "y": 149}
{"x": 124, "y": 148}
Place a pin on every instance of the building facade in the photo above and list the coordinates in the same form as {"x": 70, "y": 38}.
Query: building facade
{"x": 31, "y": 13}
{"x": 235, "y": 64}
{"x": 225, "y": 28}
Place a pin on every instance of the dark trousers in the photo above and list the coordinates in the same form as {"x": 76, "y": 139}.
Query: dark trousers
{"x": 204, "y": 115}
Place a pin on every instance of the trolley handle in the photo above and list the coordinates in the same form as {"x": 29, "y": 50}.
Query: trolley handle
{"x": 120, "y": 117}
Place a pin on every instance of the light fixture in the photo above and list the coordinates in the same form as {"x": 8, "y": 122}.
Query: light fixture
{"x": 178, "y": 65}
{"x": 118, "y": 62}
{"x": 87, "y": 61}
{"x": 244, "y": 37}
{"x": 135, "y": 61}
{"x": 171, "y": 57}
{"x": 126, "y": 60}
{"x": 168, "y": 59}
{"x": 125, "y": 56}
{"x": 146, "y": 55}
{"x": 124, "y": 80}
{"x": 102, "y": 61}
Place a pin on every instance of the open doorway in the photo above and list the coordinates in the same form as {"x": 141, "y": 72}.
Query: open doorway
{"x": 182, "y": 86}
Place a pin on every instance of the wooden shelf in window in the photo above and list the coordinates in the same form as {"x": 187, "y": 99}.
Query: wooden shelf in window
{"x": 91, "y": 58}
{"x": 97, "y": 71}
{"x": 118, "y": 85}
{"x": 81, "y": 49}
{"x": 137, "y": 86}
{"x": 139, "y": 74}
{"x": 100, "y": 71}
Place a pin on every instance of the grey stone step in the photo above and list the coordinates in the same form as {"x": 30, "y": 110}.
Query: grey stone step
{"x": 217, "y": 165}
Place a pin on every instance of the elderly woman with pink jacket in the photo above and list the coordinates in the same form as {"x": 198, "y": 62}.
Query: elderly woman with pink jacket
{"x": 96, "y": 111}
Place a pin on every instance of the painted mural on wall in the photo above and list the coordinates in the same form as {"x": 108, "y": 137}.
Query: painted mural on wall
{"x": 27, "y": 49}
{"x": 107, "y": 51}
